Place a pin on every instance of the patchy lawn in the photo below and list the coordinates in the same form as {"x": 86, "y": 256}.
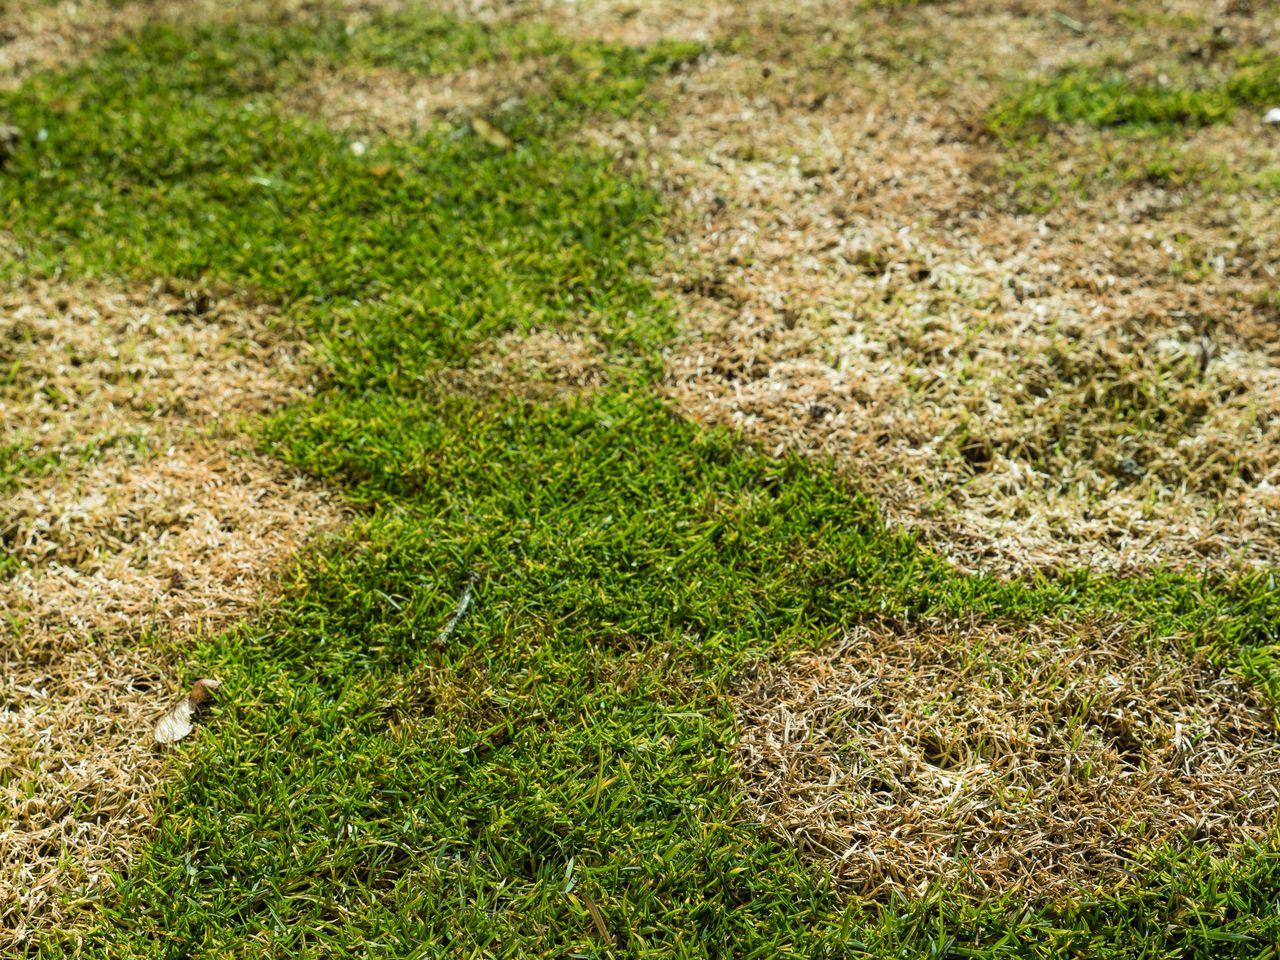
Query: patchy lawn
{"x": 869, "y": 272}
{"x": 129, "y": 510}
{"x": 960, "y": 642}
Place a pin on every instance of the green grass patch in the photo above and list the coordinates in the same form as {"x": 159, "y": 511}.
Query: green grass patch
{"x": 1040, "y": 175}
{"x": 1145, "y": 17}
{"x": 1105, "y": 97}
{"x": 899, "y": 4}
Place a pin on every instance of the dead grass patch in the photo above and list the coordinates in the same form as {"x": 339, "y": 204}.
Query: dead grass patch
{"x": 387, "y": 102}
{"x": 1044, "y": 761}
{"x": 88, "y": 366}
{"x": 77, "y": 769}
{"x": 35, "y": 35}
{"x": 184, "y": 540}
{"x": 1090, "y": 387}
{"x": 150, "y": 521}
{"x": 539, "y": 364}
{"x": 636, "y": 24}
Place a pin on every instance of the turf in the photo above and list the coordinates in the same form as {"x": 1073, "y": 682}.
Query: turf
{"x": 373, "y": 791}
{"x": 1141, "y": 127}
{"x": 176, "y": 146}
{"x": 1105, "y": 96}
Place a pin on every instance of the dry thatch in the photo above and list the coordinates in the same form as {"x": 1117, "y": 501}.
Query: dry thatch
{"x": 95, "y": 366}
{"x": 184, "y": 540}
{"x": 77, "y": 769}
{"x": 131, "y": 513}
{"x": 1041, "y": 761}
{"x": 40, "y": 35}
{"x": 1095, "y": 386}
{"x": 537, "y": 364}
{"x": 385, "y": 102}
{"x": 638, "y": 24}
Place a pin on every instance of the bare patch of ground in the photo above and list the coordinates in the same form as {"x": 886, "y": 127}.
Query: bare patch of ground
{"x": 1090, "y": 386}
{"x": 1043, "y": 761}
{"x": 130, "y": 516}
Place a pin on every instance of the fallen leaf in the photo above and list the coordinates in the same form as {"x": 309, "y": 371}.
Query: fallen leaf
{"x": 490, "y": 134}
{"x": 178, "y": 722}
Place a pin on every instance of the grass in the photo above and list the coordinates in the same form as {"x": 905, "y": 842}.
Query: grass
{"x": 1037, "y": 181}
{"x": 375, "y": 789}
{"x": 177, "y": 148}
{"x": 1105, "y": 97}
{"x": 1127, "y": 131}
{"x": 375, "y": 792}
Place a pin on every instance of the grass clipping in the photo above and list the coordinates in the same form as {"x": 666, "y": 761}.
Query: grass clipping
{"x": 127, "y": 515}
{"x": 1041, "y": 762}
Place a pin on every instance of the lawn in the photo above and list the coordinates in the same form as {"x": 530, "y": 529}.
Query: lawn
{"x": 844, "y": 574}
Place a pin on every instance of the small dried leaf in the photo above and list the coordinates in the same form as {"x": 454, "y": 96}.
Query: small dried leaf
{"x": 179, "y": 721}
{"x": 176, "y": 724}
{"x": 490, "y": 134}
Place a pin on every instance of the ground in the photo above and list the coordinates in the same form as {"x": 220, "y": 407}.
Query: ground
{"x": 855, "y": 426}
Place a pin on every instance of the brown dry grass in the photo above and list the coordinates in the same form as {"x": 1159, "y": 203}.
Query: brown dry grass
{"x": 95, "y": 365}
{"x": 858, "y": 279}
{"x": 76, "y": 769}
{"x": 183, "y": 540}
{"x": 537, "y": 364}
{"x": 1044, "y": 761}
{"x": 132, "y": 517}
{"x": 37, "y": 35}
{"x": 633, "y": 23}
{"x": 387, "y": 102}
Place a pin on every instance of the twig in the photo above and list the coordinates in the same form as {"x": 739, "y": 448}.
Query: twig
{"x": 459, "y": 612}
